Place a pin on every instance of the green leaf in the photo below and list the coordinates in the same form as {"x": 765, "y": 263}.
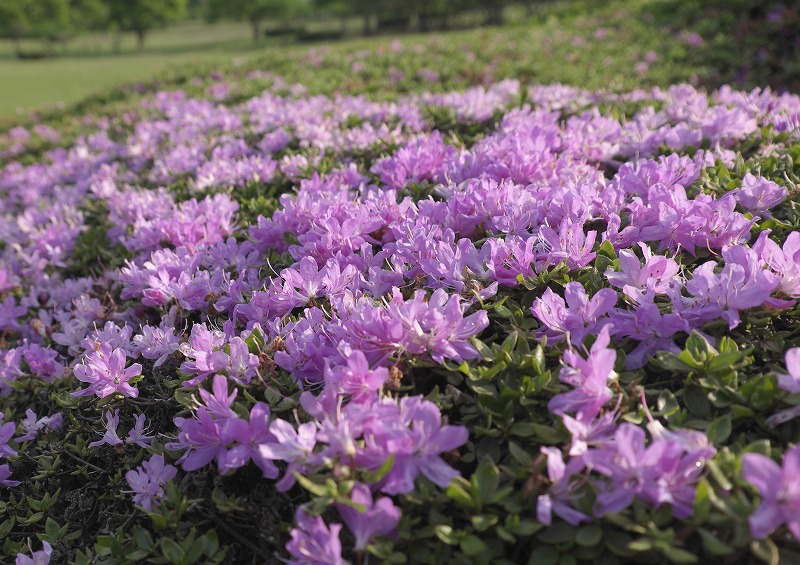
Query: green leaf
{"x": 457, "y": 491}
{"x": 472, "y": 545}
{"x": 52, "y": 529}
{"x": 698, "y": 347}
{"x": 142, "y": 538}
{"x": 137, "y": 555}
{"x": 6, "y": 526}
{"x": 548, "y": 435}
{"x": 702, "y": 502}
{"x": 378, "y": 474}
{"x": 172, "y": 551}
{"x": 486, "y": 479}
{"x": 618, "y": 543}
{"x": 523, "y": 429}
{"x": 544, "y": 555}
{"x": 520, "y": 455}
{"x": 483, "y": 522}
{"x": 766, "y": 551}
{"x": 667, "y": 404}
{"x": 679, "y": 555}
{"x": 310, "y": 486}
{"x": 720, "y": 429}
{"x": 696, "y": 400}
{"x": 558, "y": 533}
{"x": 446, "y": 533}
{"x": 589, "y": 536}
{"x": 712, "y": 545}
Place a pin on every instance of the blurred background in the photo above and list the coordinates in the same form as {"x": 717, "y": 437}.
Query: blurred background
{"x": 56, "y": 52}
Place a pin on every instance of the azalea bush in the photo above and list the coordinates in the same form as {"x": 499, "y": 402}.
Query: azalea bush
{"x": 510, "y": 323}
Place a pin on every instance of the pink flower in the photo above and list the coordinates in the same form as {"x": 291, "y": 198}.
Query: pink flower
{"x": 779, "y": 487}
{"x": 137, "y": 435}
{"x": 148, "y": 481}
{"x": 41, "y": 557}
{"x": 110, "y": 436}
{"x": 104, "y": 370}
{"x": 379, "y": 517}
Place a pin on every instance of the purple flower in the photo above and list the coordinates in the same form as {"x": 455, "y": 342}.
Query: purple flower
{"x": 590, "y": 377}
{"x": 758, "y": 194}
{"x": 576, "y": 318}
{"x": 785, "y": 262}
{"x": 379, "y": 517}
{"x": 791, "y": 382}
{"x": 156, "y": 343}
{"x": 110, "y": 436}
{"x": 148, "y": 481}
{"x": 7, "y": 431}
{"x": 137, "y": 435}
{"x": 106, "y": 374}
{"x": 5, "y": 473}
{"x": 248, "y": 436}
{"x": 411, "y": 431}
{"x": 356, "y": 379}
{"x": 293, "y": 446}
{"x": 741, "y": 284}
{"x": 313, "y": 543}
{"x": 200, "y": 437}
{"x": 33, "y": 425}
{"x": 779, "y": 487}
{"x": 652, "y": 329}
{"x": 666, "y": 471}
{"x": 9, "y": 312}
{"x": 40, "y": 557}
{"x": 219, "y": 402}
{"x": 43, "y": 362}
{"x": 437, "y": 327}
{"x": 561, "y": 491}
{"x": 658, "y": 272}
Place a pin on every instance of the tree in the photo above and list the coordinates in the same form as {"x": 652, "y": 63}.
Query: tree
{"x": 255, "y": 12}
{"x": 87, "y": 15}
{"x": 140, "y": 16}
{"x": 14, "y": 21}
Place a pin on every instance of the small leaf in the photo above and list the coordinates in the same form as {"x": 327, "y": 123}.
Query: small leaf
{"x": 172, "y": 551}
{"x": 720, "y": 429}
{"x": 678, "y": 555}
{"x": 544, "y": 555}
{"x": 446, "y": 533}
{"x": 484, "y": 521}
{"x": 310, "y": 486}
{"x": 472, "y": 545}
{"x": 712, "y": 545}
{"x": 589, "y": 536}
{"x": 457, "y": 491}
{"x": 378, "y": 474}
{"x": 766, "y": 551}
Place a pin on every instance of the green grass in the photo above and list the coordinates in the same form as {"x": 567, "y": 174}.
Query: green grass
{"x": 89, "y": 65}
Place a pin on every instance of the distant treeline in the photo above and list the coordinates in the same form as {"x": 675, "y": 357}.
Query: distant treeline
{"x": 55, "y": 22}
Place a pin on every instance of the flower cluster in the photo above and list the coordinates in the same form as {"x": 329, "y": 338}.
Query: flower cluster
{"x": 308, "y": 333}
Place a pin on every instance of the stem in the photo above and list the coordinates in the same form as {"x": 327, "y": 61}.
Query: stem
{"x": 76, "y": 458}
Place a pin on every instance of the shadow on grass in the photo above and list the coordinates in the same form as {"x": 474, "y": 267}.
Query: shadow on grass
{"x": 745, "y": 43}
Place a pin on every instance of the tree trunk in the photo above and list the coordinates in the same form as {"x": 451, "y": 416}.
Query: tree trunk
{"x": 255, "y": 26}
{"x": 116, "y": 41}
{"x": 17, "y": 47}
{"x": 140, "y": 39}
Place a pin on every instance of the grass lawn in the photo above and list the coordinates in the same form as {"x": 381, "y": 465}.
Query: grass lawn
{"x": 90, "y": 65}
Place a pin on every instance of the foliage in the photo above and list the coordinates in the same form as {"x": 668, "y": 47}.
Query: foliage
{"x": 410, "y": 326}
{"x": 140, "y": 16}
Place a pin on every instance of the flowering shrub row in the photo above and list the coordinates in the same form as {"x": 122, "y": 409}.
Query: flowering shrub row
{"x": 496, "y": 325}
